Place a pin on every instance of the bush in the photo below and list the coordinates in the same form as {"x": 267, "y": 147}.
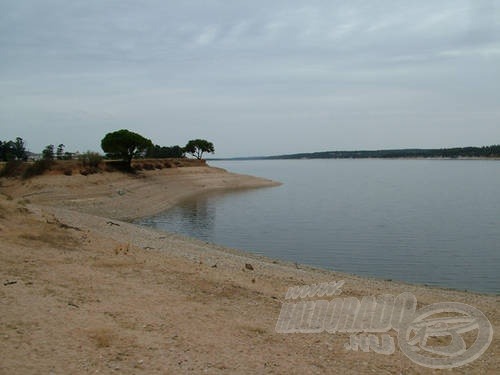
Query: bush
{"x": 89, "y": 170}
{"x": 119, "y": 166}
{"x": 90, "y": 159}
{"x": 39, "y": 167}
{"x": 12, "y": 168}
{"x": 148, "y": 166}
{"x": 68, "y": 172}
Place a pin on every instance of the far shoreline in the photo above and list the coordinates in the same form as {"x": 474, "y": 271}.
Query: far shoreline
{"x": 495, "y": 158}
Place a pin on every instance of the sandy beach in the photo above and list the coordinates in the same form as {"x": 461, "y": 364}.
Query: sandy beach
{"x": 85, "y": 291}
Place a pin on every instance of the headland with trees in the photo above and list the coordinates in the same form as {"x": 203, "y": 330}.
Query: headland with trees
{"x": 120, "y": 148}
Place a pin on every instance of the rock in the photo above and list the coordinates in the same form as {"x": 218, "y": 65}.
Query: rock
{"x": 248, "y": 266}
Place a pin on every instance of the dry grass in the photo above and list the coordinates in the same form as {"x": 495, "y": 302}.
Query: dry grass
{"x": 75, "y": 167}
{"x": 168, "y": 163}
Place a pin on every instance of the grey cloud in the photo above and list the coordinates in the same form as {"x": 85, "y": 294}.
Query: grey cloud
{"x": 332, "y": 74}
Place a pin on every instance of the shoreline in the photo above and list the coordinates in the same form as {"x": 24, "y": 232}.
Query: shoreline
{"x": 139, "y": 300}
{"x": 130, "y": 197}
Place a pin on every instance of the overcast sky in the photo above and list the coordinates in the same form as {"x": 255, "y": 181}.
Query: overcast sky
{"x": 255, "y": 77}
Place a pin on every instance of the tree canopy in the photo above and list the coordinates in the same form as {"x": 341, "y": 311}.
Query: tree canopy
{"x": 125, "y": 144}
{"x": 161, "y": 152}
{"x": 13, "y": 150}
{"x": 48, "y": 152}
{"x": 197, "y": 147}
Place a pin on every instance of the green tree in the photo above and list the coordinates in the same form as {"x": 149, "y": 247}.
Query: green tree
{"x": 6, "y": 151}
{"x": 197, "y": 147}
{"x": 60, "y": 152}
{"x": 162, "y": 152}
{"x": 13, "y": 150}
{"x": 125, "y": 145}
{"x": 19, "y": 149}
{"x": 48, "y": 152}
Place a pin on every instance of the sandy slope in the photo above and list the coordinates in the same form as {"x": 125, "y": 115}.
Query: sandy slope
{"x": 128, "y": 197}
{"x": 83, "y": 292}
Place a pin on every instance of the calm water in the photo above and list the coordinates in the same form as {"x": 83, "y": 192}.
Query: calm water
{"x": 434, "y": 222}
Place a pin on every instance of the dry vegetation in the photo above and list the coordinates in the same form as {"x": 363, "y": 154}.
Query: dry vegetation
{"x": 83, "y": 167}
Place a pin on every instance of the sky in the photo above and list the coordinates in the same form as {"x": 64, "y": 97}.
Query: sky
{"x": 254, "y": 77}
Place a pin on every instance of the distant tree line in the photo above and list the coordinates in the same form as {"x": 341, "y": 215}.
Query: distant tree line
{"x": 48, "y": 153}
{"x": 456, "y": 152}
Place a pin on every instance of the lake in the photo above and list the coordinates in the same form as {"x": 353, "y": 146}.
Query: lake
{"x": 434, "y": 222}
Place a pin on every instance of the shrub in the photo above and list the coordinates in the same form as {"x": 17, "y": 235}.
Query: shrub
{"x": 89, "y": 170}
{"x": 119, "y": 166}
{"x": 90, "y": 159}
{"x": 68, "y": 172}
{"x": 12, "y": 168}
{"x": 148, "y": 166}
{"x": 37, "y": 168}
{"x": 159, "y": 166}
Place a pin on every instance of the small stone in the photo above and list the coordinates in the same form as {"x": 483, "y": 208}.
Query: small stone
{"x": 248, "y": 266}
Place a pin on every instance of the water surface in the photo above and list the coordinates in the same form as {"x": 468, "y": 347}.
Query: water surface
{"x": 434, "y": 222}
